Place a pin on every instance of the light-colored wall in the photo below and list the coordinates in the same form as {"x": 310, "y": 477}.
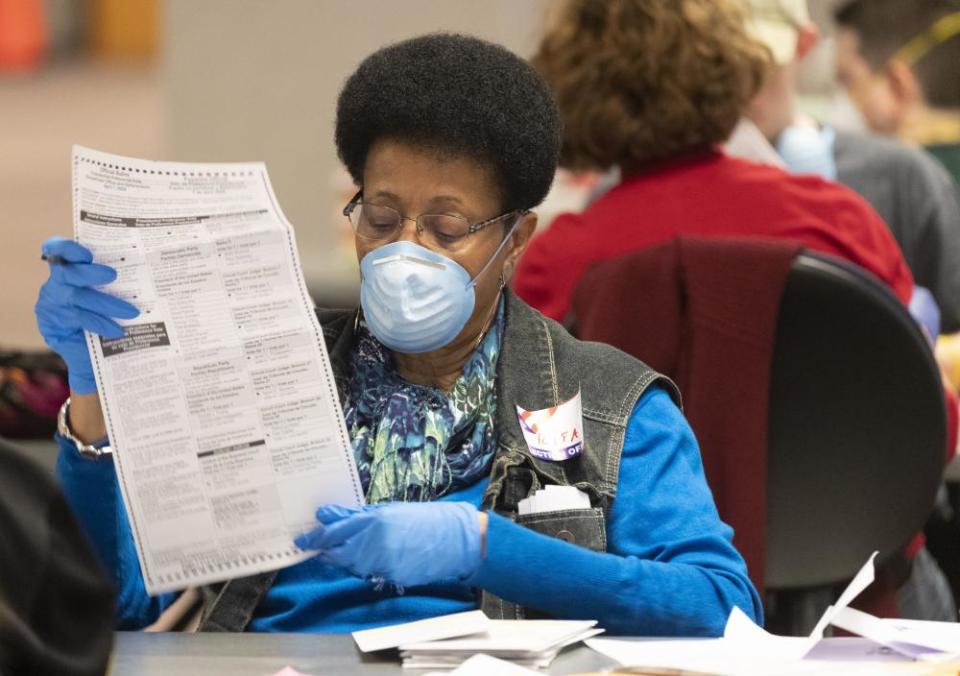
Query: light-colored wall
{"x": 258, "y": 80}
{"x": 41, "y": 115}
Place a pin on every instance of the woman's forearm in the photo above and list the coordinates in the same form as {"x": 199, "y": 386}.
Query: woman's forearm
{"x": 626, "y": 594}
{"x": 91, "y": 490}
{"x": 86, "y": 417}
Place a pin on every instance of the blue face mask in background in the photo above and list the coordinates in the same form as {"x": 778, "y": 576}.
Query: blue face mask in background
{"x": 808, "y": 150}
{"x": 416, "y": 300}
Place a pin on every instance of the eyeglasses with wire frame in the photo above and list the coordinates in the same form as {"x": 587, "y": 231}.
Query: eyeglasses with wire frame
{"x": 436, "y": 231}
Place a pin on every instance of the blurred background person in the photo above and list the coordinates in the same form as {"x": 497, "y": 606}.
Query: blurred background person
{"x": 653, "y": 88}
{"x": 56, "y": 605}
{"x": 900, "y": 63}
{"x": 912, "y": 193}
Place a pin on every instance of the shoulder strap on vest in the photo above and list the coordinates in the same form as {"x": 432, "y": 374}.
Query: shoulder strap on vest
{"x": 229, "y": 607}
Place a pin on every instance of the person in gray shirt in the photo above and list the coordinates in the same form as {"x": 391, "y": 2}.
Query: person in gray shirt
{"x": 920, "y": 203}
{"x": 913, "y": 194}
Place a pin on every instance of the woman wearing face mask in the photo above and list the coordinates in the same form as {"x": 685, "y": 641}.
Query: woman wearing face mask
{"x": 451, "y": 141}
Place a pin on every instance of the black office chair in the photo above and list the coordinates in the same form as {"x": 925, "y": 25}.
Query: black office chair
{"x": 857, "y": 426}
{"x": 856, "y": 419}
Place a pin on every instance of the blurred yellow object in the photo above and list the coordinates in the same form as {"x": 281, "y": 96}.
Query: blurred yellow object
{"x": 948, "y": 355}
{"x": 124, "y": 30}
{"x": 23, "y": 34}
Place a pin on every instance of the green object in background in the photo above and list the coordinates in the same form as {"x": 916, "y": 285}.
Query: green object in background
{"x": 949, "y": 156}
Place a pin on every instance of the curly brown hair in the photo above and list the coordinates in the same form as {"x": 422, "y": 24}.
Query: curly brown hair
{"x": 645, "y": 80}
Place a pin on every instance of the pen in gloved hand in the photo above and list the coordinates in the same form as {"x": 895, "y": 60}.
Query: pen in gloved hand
{"x": 70, "y": 303}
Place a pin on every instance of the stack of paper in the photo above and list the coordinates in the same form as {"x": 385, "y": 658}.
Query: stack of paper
{"x": 432, "y": 629}
{"x": 447, "y": 641}
{"x": 528, "y": 643}
{"x": 554, "y": 499}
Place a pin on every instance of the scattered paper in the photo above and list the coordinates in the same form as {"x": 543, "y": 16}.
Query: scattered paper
{"x": 484, "y": 665}
{"x": 289, "y": 671}
{"x": 742, "y": 633}
{"x": 431, "y": 629}
{"x": 666, "y": 654}
{"x": 743, "y": 636}
{"x": 853, "y": 649}
{"x": 747, "y": 649}
{"x": 863, "y": 579}
{"x": 219, "y": 399}
{"x": 919, "y": 640}
{"x": 833, "y": 656}
{"x": 946, "y": 632}
{"x": 511, "y": 646}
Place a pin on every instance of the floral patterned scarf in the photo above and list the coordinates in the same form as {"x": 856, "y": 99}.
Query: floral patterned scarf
{"x": 413, "y": 442}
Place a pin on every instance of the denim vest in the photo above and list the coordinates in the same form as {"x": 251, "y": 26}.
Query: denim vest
{"x": 540, "y": 365}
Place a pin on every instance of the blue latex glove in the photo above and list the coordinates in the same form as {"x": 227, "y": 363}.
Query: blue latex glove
{"x": 406, "y": 543}
{"x": 68, "y": 304}
{"x": 808, "y": 150}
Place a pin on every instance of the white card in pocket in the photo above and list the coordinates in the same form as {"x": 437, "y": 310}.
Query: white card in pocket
{"x": 554, "y": 499}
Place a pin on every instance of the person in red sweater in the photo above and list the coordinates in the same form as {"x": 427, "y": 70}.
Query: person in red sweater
{"x": 658, "y": 113}
{"x": 651, "y": 89}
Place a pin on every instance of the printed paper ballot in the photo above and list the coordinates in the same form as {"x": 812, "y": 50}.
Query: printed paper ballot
{"x": 554, "y": 433}
{"x": 219, "y": 399}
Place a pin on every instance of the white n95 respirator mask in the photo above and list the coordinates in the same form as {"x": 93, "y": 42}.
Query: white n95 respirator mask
{"x": 416, "y": 300}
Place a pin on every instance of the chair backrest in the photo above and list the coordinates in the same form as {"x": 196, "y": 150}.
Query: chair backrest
{"x": 857, "y": 427}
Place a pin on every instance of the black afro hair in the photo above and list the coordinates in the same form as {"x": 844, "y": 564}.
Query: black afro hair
{"x": 458, "y": 95}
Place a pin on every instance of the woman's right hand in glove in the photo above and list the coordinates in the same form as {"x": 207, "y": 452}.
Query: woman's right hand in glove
{"x": 69, "y": 303}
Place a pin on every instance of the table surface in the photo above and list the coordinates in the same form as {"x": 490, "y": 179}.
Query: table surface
{"x": 177, "y": 654}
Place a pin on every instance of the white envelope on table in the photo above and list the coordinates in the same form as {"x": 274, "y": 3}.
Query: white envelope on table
{"x": 431, "y": 629}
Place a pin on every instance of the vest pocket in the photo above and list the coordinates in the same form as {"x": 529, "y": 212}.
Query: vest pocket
{"x": 583, "y": 527}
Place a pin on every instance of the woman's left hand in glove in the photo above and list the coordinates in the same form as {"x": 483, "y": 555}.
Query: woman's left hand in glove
{"x": 405, "y": 543}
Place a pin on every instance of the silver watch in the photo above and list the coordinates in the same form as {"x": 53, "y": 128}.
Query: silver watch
{"x": 93, "y": 451}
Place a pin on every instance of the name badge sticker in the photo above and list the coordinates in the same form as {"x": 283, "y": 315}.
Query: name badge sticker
{"x": 554, "y": 433}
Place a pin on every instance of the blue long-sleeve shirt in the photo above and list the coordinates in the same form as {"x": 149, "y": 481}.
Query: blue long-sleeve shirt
{"x": 670, "y": 566}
